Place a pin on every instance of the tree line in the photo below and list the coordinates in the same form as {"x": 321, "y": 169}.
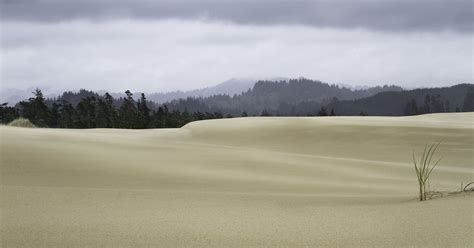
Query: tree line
{"x": 435, "y": 104}
{"x": 87, "y": 109}
{"x": 100, "y": 112}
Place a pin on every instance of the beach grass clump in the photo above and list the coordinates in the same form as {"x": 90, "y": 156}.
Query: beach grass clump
{"x": 21, "y": 122}
{"x": 424, "y": 167}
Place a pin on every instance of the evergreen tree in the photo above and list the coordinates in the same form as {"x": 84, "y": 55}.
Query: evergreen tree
{"x": 426, "y": 106}
{"x": 128, "y": 112}
{"x": 158, "y": 118}
{"x": 36, "y": 110}
{"x": 332, "y": 112}
{"x": 67, "y": 115}
{"x": 265, "y": 113}
{"x": 110, "y": 110}
{"x": 411, "y": 108}
{"x": 438, "y": 105}
{"x": 7, "y": 114}
{"x": 468, "y": 104}
{"x": 447, "y": 106}
{"x": 86, "y": 113}
{"x": 322, "y": 112}
{"x": 55, "y": 115}
{"x": 102, "y": 115}
{"x": 143, "y": 112}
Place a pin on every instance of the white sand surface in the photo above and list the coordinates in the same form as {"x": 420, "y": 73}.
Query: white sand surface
{"x": 242, "y": 182}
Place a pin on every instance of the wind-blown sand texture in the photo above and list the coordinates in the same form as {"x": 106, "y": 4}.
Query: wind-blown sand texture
{"x": 243, "y": 182}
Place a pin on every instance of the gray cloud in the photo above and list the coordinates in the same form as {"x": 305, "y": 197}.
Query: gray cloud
{"x": 380, "y": 15}
{"x": 162, "y": 55}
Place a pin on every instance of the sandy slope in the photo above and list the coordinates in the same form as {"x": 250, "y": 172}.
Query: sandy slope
{"x": 291, "y": 182}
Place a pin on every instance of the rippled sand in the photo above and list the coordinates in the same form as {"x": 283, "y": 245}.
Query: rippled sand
{"x": 243, "y": 182}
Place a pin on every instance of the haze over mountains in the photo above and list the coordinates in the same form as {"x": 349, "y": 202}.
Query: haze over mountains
{"x": 230, "y": 87}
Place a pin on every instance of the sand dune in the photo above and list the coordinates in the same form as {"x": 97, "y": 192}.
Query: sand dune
{"x": 243, "y": 182}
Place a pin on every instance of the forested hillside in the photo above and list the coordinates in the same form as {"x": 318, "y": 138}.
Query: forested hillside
{"x": 293, "y": 97}
{"x": 419, "y": 101}
{"x": 298, "y": 97}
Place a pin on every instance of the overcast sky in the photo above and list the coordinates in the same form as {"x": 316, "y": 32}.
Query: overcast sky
{"x": 154, "y": 45}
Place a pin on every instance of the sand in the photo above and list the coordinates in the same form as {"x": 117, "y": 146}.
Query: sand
{"x": 242, "y": 182}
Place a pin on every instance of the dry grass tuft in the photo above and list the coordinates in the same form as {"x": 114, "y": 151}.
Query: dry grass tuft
{"x": 424, "y": 168}
{"x": 21, "y": 122}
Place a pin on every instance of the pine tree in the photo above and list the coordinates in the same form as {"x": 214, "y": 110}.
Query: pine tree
{"x": 102, "y": 115}
{"x": 128, "y": 112}
{"x": 426, "y": 106}
{"x": 322, "y": 112}
{"x": 110, "y": 111}
{"x": 411, "y": 108}
{"x": 468, "y": 104}
{"x": 265, "y": 113}
{"x": 86, "y": 113}
{"x": 55, "y": 115}
{"x": 7, "y": 114}
{"x": 67, "y": 114}
{"x": 143, "y": 112}
{"x": 36, "y": 110}
{"x": 447, "y": 106}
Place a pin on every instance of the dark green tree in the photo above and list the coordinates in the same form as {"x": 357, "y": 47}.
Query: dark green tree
{"x": 143, "y": 112}
{"x": 265, "y": 113}
{"x": 67, "y": 115}
{"x": 411, "y": 108}
{"x": 447, "y": 106}
{"x": 86, "y": 113}
{"x": 111, "y": 112}
{"x": 322, "y": 112}
{"x": 102, "y": 115}
{"x": 468, "y": 104}
{"x": 36, "y": 110}
{"x": 7, "y": 113}
{"x": 426, "y": 105}
{"x": 55, "y": 115}
{"x": 128, "y": 112}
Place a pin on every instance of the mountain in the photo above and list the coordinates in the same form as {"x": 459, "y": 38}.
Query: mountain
{"x": 427, "y": 100}
{"x": 230, "y": 87}
{"x": 286, "y": 97}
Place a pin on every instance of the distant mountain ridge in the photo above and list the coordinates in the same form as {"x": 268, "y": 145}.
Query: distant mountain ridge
{"x": 304, "y": 97}
{"x": 418, "y": 101}
{"x": 277, "y": 97}
{"x": 230, "y": 87}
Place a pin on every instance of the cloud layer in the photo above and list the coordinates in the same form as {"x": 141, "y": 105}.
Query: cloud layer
{"x": 157, "y": 55}
{"x": 380, "y": 15}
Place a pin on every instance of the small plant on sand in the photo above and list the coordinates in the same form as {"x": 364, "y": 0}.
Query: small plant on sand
{"x": 21, "y": 122}
{"x": 425, "y": 166}
{"x": 467, "y": 188}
